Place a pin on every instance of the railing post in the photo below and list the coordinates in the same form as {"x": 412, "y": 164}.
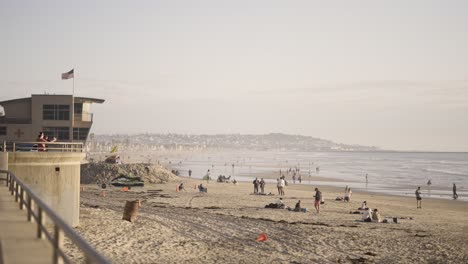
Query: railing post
{"x": 30, "y": 207}
{"x": 58, "y": 243}
{"x": 40, "y": 222}
{"x": 16, "y": 192}
{"x": 8, "y": 179}
{"x": 21, "y": 205}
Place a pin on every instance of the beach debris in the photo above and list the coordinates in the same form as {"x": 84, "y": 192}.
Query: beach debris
{"x": 262, "y": 237}
{"x": 131, "y": 210}
{"x": 357, "y": 260}
{"x": 127, "y": 181}
{"x": 124, "y": 189}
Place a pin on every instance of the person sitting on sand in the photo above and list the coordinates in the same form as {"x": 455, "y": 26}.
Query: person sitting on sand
{"x": 376, "y": 216}
{"x": 181, "y": 187}
{"x": 202, "y": 189}
{"x": 363, "y": 206}
{"x": 278, "y": 204}
{"x": 367, "y": 215}
{"x": 298, "y": 207}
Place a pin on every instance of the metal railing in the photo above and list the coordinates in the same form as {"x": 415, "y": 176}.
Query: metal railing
{"x": 8, "y": 146}
{"x": 28, "y": 199}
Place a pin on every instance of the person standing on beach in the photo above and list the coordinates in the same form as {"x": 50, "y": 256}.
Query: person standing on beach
{"x": 278, "y": 185}
{"x": 190, "y": 173}
{"x": 318, "y": 198}
{"x": 256, "y": 183}
{"x": 262, "y": 186}
{"x": 282, "y": 184}
{"x": 418, "y": 198}
{"x": 347, "y": 196}
{"x": 455, "y": 195}
{"x": 300, "y": 179}
{"x": 208, "y": 174}
{"x": 367, "y": 181}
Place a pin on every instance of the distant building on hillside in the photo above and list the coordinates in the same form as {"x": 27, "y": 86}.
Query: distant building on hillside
{"x": 65, "y": 117}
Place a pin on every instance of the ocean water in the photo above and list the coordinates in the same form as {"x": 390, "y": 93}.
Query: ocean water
{"x": 396, "y": 173}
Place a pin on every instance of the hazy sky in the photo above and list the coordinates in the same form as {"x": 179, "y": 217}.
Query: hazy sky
{"x": 388, "y": 73}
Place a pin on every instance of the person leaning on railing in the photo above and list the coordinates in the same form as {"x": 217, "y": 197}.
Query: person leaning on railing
{"x": 43, "y": 138}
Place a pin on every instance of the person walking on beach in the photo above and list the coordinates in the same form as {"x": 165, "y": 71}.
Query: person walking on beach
{"x": 455, "y": 195}
{"x": 299, "y": 179}
{"x": 318, "y": 198}
{"x": 190, "y": 173}
{"x": 262, "y": 186}
{"x": 256, "y": 183}
{"x": 418, "y": 198}
{"x": 347, "y": 196}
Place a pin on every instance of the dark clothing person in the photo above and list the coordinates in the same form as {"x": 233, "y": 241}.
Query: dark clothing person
{"x": 256, "y": 183}
{"x": 190, "y": 173}
{"x": 455, "y": 195}
{"x": 318, "y": 195}
{"x": 418, "y": 198}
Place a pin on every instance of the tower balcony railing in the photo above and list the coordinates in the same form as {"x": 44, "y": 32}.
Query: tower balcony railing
{"x": 15, "y": 146}
{"x": 84, "y": 117}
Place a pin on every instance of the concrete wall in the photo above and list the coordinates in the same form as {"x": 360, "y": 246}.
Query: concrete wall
{"x": 54, "y": 177}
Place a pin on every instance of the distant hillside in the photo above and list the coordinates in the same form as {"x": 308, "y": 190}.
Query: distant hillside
{"x": 272, "y": 141}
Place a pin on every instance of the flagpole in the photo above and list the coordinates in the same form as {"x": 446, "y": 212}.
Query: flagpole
{"x": 73, "y": 105}
{"x": 73, "y": 93}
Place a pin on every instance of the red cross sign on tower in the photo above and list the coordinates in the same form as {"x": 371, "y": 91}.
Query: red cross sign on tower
{"x": 19, "y": 133}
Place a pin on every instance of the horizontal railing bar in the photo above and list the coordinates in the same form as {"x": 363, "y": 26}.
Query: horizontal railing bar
{"x": 87, "y": 249}
{"x": 43, "y": 142}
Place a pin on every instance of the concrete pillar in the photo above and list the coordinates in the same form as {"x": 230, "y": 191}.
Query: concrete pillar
{"x": 54, "y": 177}
{"x": 3, "y": 163}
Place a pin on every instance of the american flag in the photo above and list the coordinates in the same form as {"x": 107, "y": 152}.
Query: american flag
{"x": 68, "y": 75}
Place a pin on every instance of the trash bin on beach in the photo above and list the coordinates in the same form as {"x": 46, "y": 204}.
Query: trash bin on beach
{"x": 131, "y": 210}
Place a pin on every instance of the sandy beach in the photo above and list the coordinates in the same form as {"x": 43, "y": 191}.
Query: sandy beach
{"x": 221, "y": 226}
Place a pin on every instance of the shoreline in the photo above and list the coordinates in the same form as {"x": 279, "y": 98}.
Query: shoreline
{"x": 325, "y": 182}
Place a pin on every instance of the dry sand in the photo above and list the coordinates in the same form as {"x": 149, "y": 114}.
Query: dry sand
{"x": 221, "y": 227}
